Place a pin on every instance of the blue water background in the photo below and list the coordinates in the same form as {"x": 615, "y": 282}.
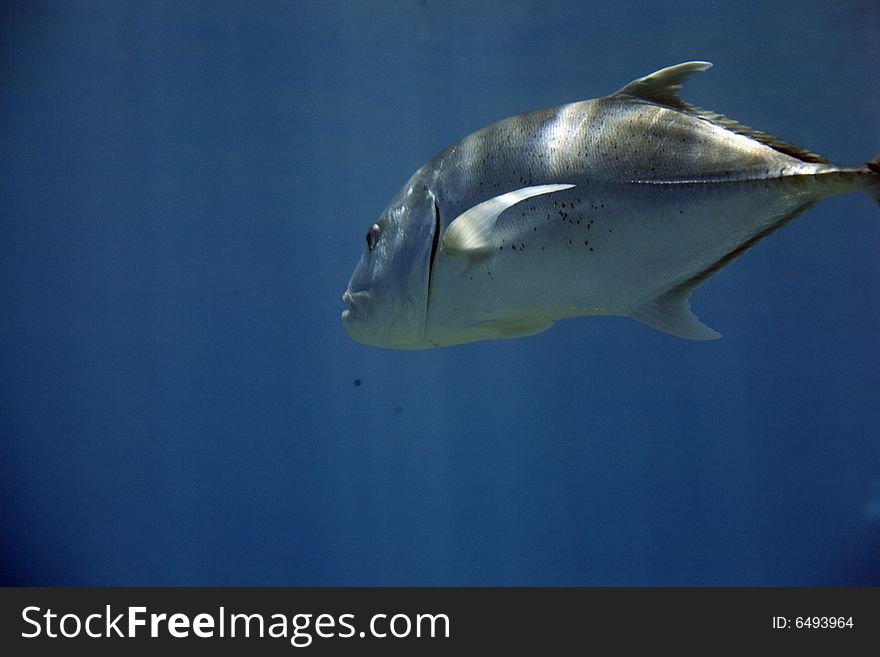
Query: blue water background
{"x": 184, "y": 190}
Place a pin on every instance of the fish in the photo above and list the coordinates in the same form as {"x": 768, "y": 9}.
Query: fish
{"x": 621, "y": 206}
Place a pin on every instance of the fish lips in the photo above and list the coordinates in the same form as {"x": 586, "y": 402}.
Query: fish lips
{"x": 357, "y": 303}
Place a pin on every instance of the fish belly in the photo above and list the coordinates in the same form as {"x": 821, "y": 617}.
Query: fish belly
{"x": 607, "y": 249}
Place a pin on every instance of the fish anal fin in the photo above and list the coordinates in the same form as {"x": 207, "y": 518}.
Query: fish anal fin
{"x": 671, "y": 313}
{"x": 472, "y": 232}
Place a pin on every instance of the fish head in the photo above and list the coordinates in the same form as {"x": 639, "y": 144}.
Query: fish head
{"x": 387, "y": 295}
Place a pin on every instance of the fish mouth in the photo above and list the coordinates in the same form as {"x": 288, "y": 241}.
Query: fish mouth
{"x": 357, "y": 302}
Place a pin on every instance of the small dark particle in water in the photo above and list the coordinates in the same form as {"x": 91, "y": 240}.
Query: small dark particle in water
{"x": 398, "y": 409}
{"x": 357, "y": 383}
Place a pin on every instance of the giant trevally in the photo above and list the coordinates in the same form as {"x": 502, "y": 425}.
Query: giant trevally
{"x": 621, "y": 205}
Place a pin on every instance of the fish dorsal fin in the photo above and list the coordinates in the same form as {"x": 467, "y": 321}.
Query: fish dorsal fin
{"x": 663, "y": 86}
{"x": 671, "y": 313}
{"x": 471, "y": 232}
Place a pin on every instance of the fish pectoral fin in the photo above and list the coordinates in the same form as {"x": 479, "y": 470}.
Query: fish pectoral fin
{"x": 515, "y": 328}
{"x": 663, "y": 86}
{"x": 471, "y": 232}
{"x": 671, "y": 313}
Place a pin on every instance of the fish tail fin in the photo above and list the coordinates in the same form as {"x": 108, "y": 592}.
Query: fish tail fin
{"x": 873, "y": 190}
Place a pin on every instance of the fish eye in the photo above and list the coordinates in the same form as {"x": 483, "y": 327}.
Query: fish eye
{"x": 373, "y": 236}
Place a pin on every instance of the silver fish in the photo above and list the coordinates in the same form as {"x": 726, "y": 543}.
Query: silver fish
{"x": 621, "y": 205}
